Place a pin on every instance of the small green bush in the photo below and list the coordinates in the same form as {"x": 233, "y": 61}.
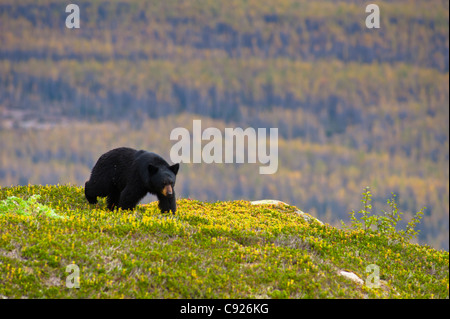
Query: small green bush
{"x": 20, "y": 206}
{"x": 385, "y": 224}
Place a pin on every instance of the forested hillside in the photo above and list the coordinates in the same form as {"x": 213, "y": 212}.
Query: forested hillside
{"x": 355, "y": 107}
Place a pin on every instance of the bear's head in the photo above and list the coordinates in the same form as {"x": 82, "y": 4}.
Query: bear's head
{"x": 162, "y": 178}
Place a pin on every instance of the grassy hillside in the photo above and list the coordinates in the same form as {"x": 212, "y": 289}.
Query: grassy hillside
{"x": 207, "y": 250}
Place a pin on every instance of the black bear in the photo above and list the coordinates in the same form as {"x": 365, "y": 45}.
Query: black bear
{"x": 125, "y": 175}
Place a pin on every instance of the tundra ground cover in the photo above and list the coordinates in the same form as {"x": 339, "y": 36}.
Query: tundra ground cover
{"x": 207, "y": 250}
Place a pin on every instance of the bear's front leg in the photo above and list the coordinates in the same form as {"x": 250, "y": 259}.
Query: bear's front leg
{"x": 167, "y": 203}
{"x": 130, "y": 197}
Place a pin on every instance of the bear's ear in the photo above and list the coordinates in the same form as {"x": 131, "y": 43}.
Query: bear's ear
{"x": 152, "y": 169}
{"x": 174, "y": 168}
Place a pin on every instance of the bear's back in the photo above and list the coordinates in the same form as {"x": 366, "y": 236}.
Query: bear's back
{"x": 146, "y": 158}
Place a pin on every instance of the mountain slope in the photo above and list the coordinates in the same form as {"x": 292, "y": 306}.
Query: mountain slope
{"x": 207, "y": 250}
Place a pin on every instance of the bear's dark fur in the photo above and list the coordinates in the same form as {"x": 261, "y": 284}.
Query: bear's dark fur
{"x": 125, "y": 176}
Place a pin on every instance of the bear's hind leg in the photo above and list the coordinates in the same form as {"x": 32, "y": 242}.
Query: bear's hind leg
{"x": 90, "y": 196}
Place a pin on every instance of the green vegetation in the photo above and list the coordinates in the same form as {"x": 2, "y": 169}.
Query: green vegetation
{"x": 207, "y": 250}
{"x": 16, "y": 205}
{"x": 384, "y": 224}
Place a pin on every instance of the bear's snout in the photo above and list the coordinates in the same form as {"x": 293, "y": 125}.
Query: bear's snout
{"x": 167, "y": 190}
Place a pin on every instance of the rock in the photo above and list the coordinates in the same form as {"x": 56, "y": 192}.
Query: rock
{"x": 305, "y": 216}
{"x": 351, "y": 276}
{"x": 268, "y": 202}
{"x": 308, "y": 217}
